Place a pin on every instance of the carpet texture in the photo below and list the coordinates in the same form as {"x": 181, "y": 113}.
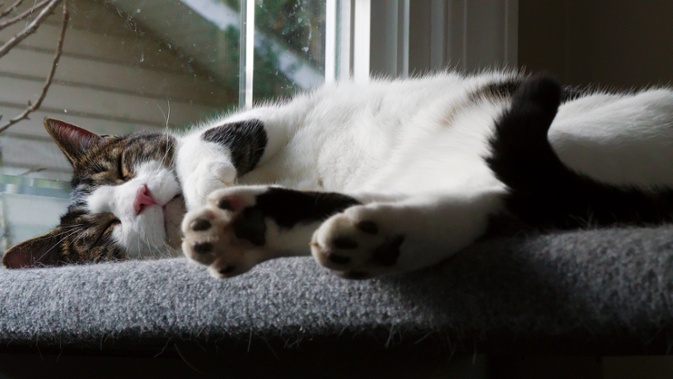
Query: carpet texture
{"x": 594, "y": 291}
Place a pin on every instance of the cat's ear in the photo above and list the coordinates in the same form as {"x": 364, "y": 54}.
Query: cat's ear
{"x": 40, "y": 251}
{"x": 73, "y": 140}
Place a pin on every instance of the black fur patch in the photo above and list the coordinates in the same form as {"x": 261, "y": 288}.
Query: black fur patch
{"x": 369, "y": 227}
{"x": 246, "y": 140}
{"x": 200, "y": 225}
{"x": 250, "y": 226}
{"x": 338, "y": 259}
{"x": 344, "y": 243}
{"x": 288, "y": 208}
{"x": 544, "y": 193}
{"x": 387, "y": 254}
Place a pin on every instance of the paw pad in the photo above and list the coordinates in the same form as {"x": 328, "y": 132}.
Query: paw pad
{"x": 356, "y": 249}
{"x": 338, "y": 259}
{"x": 228, "y": 233}
{"x": 226, "y": 269}
{"x": 367, "y": 227}
{"x": 202, "y": 247}
{"x": 225, "y": 204}
{"x": 388, "y": 252}
{"x": 343, "y": 242}
{"x": 200, "y": 225}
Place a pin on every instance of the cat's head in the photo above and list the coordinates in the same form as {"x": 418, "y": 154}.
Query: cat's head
{"x": 126, "y": 200}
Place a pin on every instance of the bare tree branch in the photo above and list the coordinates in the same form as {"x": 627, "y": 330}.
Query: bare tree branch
{"x": 30, "y": 29}
{"x": 10, "y": 8}
{"x": 24, "y": 15}
{"x": 57, "y": 55}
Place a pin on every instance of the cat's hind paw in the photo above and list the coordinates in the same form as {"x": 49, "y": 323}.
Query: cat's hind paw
{"x": 227, "y": 234}
{"x": 356, "y": 245}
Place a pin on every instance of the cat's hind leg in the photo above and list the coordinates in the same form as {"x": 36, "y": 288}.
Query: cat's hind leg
{"x": 618, "y": 139}
{"x": 624, "y": 138}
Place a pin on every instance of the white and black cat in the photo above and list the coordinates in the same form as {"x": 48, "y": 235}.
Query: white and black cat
{"x": 370, "y": 179}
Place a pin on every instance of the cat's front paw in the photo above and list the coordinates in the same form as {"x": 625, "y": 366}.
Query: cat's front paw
{"x": 357, "y": 244}
{"x": 228, "y": 234}
{"x": 206, "y": 178}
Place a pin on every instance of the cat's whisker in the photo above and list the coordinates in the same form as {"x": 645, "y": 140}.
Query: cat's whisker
{"x": 169, "y": 146}
{"x": 167, "y": 116}
{"x": 74, "y": 229}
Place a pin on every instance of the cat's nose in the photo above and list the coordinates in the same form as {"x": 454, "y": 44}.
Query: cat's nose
{"x": 143, "y": 199}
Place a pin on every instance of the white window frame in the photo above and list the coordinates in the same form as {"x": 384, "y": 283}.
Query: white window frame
{"x": 405, "y": 37}
{"x": 246, "y": 53}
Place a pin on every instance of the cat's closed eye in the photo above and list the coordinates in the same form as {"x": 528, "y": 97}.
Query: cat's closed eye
{"x": 109, "y": 227}
{"x": 121, "y": 169}
{"x": 114, "y": 222}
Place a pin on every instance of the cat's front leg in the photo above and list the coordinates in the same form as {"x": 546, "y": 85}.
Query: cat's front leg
{"x": 375, "y": 239}
{"x": 214, "y": 158}
{"x": 356, "y": 236}
{"x": 242, "y": 226}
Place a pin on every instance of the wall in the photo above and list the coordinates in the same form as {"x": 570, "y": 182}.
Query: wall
{"x": 616, "y": 43}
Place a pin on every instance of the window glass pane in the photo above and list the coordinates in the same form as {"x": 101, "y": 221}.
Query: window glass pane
{"x": 289, "y": 47}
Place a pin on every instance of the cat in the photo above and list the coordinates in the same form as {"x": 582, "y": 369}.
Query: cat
{"x": 370, "y": 179}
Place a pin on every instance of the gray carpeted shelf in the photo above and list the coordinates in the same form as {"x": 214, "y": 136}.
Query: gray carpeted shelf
{"x": 591, "y": 292}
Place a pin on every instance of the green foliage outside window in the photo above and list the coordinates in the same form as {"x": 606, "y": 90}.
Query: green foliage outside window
{"x": 297, "y": 25}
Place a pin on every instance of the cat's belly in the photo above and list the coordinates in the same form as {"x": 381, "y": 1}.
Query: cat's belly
{"x": 437, "y": 148}
{"x": 449, "y": 158}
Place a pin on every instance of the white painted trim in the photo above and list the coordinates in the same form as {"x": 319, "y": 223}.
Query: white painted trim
{"x": 362, "y": 40}
{"x": 330, "y": 41}
{"x": 249, "y": 51}
{"x": 246, "y": 53}
{"x": 343, "y": 68}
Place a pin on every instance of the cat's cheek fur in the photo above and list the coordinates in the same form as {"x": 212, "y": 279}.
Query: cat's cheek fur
{"x": 143, "y": 234}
